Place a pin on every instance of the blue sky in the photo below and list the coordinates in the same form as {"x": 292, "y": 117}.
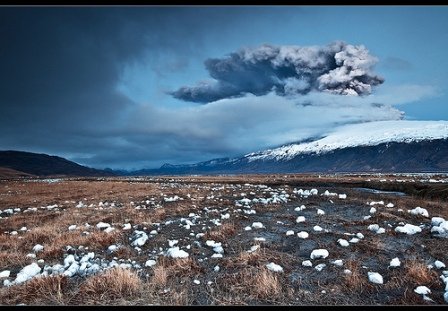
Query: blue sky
{"x": 93, "y": 84}
{"x": 410, "y": 42}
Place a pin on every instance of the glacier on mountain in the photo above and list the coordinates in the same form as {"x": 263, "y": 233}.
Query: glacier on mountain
{"x": 354, "y": 135}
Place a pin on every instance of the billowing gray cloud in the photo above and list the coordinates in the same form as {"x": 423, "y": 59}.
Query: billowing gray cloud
{"x": 338, "y": 68}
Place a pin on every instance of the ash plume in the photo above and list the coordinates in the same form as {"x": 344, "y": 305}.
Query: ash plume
{"x": 338, "y": 68}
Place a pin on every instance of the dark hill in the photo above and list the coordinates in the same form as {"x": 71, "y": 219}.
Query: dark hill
{"x": 45, "y": 165}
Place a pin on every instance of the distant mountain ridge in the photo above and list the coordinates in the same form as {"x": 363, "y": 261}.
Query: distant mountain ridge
{"x": 383, "y": 146}
{"x": 28, "y": 163}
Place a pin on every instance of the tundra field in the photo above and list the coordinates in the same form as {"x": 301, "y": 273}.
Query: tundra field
{"x": 291, "y": 239}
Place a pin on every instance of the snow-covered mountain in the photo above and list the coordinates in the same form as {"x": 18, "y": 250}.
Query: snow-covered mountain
{"x": 357, "y": 135}
{"x": 383, "y": 146}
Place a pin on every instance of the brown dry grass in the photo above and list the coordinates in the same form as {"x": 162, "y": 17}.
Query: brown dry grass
{"x": 124, "y": 252}
{"x": 114, "y": 284}
{"x": 222, "y": 233}
{"x": 434, "y": 206}
{"x": 49, "y": 290}
{"x": 268, "y": 284}
{"x": 11, "y": 254}
{"x": 401, "y": 285}
{"x": 403, "y": 281}
{"x": 371, "y": 245}
{"x": 179, "y": 297}
{"x": 29, "y": 220}
{"x": 417, "y": 272}
{"x": 181, "y": 267}
{"x": 245, "y": 259}
{"x": 12, "y": 259}
{"x": 357, "y": 281}
{"x": 251, "y": 284}
{"x": 178, "y": 208}
{"x": 173, "y": 293}
{"x": 40, "y": 235}
{"x": 437, "y": 248}
{"x": 9, "y": 242}
{"x": 262, "y": 208}
{"x": 125, "y": 214}
{"x": 74, "y": 190}
{"x": 96, "y": 241}
{"x": 259, "y": 258}
{"x": 160, "y": 276}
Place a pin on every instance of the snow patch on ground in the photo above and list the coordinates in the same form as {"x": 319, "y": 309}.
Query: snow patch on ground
{"x": 395, "y": 262}
{"x": 439, "y": 264}
{"x": 375, "y": 277}
{"x": 139, "y": 238}
{"x": 5, "y": 274}
{"x": 319, "y": 253}
{"x": 307, "y": 263}
{"x": 102, "y": 225}
{"x": 408, "y": 229}
{"x": 422, "y": 290}
{"x": 27, "y": 273}
{"x": 300, "y": 219}
{"x": 376, "y": 228}
{"x": 320, "y": 267}
{"x": 175, "y": 252}
{"x": 38, "y": 248}
{"x": 289, "y": 232}
{"x": 274, "y": 267}
{"x": 303, "y": 235}
{"x": 343, "y": 243}
{"x": 439, "y": 227}
{"x": 171, "y": 199}
{"x": 150, "y": 263}
{"x": 419, "y": 211}
{"x": 257, "y": 225}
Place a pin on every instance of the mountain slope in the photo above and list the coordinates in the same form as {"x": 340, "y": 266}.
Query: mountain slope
{"x": 45, "y": 165}
{"x": 384, "y": 146}
{"x": 365, "y": 134}
{"x": 6, "y": 173}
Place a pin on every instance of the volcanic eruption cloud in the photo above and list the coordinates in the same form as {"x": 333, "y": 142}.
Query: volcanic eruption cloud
{"x": 338, "y": 68}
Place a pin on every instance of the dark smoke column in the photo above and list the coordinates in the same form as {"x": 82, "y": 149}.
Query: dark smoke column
{"x": 338, "y": 68}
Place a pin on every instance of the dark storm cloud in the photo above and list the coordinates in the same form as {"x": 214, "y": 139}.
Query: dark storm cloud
{"x": 338, "y": 68}
{"x": 67, "y": 61}
{"x": 60, "y": 67}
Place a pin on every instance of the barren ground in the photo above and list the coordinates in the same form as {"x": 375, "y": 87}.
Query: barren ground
{"x": 188, "y": 211}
